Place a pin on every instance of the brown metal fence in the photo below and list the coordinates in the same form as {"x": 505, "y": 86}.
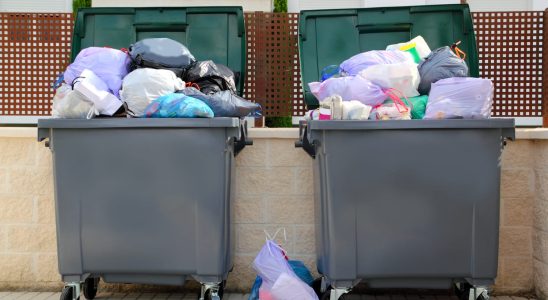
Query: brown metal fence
{"x": 34, "y": 49}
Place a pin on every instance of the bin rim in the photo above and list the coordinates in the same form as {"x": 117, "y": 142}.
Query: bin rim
{"x": 410, "y": 124}
{"x": 139, "y": 123}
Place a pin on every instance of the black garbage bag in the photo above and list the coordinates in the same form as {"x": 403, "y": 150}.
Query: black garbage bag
{"x": 440, "y": 64}
{"x": 161, "y": 53}
{"x": 225, "y": 103}
{"x": 211, "y": 77}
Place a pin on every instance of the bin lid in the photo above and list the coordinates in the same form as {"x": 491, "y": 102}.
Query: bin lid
{"x": 138, "y": 123}
{"x": 328, "y": 37}
{"x": 495, "y": 123}
{"x": 210, "y": 33}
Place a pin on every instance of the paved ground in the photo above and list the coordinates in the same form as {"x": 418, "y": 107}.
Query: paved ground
{"x": 149, "y": 296}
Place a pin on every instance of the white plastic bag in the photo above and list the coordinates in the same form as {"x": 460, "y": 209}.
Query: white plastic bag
{"x": 70, "y": 104}
{"x": 403, "y": 77}
{"x": 334, "y": 108}
{"x": 145, "y": 85}
{"x": 95, "y": 89}
{"x": 460, "y": 98}
{"x": 272, "y": 266}
{"x": 355, "y": 110}
{"x": 349, "y": 88}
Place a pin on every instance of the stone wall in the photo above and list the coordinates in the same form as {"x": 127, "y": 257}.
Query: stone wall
{"x": 274, "y": 190}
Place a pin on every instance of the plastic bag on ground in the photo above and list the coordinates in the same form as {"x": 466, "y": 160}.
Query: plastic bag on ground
{"x": 70, "y": 104}
{"x": 143, "y": 86}
{"x": 177, "y": 106}
{"x": 225, "y": 104}
{"x": 460, "y": 98}
{"x": 362, "y": 61}
{"x": 417, "y": 47}
{"x": 298, "y": 267}
{"x": 272, "y": 266}
{"x": 94, "y": 89}
{"x": 349, "y": 88}
{"x": 403, "y": 77}
{"x": 161, "y": 53}
{"x": 110, "y": 65}
{"x": 211, "y": 77}
{"x": 440, "y": 64}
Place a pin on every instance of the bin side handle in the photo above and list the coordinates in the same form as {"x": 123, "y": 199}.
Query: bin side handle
{"x": 44, "y": 133}
{"x": 303, "y": 141}
{"x": 509, "y": 133}
{"x": 243, "y": 141}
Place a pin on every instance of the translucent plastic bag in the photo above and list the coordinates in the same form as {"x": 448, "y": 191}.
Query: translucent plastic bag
{"x": 70, "y": 104}
{"x": 95, "y": 90}
{"x": 460, "y": 98}
{"x": 225, "y": 104}
{"x": 334, "y": 108}
{"x": 177, "y": 106}
{"x": 403, "y": 77}
{"x": 279, "y": 279}
{"x": 145, "y": 85}
{"x": 393, "y": 109}
{"x": 110, "y": 65}
{"x": 349, "y": 88}
{"x": 362, "y": 61}
{"x": 440, "y": 64}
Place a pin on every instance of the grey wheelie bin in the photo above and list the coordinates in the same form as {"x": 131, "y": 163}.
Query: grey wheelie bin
{"x": 401, "y": 204}
{"x": 148, "y": 200}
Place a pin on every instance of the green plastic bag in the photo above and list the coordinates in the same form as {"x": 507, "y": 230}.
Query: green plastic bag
{"x": 418, "y": 106}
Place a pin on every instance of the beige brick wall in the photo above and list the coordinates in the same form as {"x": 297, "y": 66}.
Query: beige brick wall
{"x": 274, "y": 190}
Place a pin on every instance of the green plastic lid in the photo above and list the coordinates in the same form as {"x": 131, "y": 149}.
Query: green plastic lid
{"x": 328, "y": 37}
{"x": 210, "y": 33}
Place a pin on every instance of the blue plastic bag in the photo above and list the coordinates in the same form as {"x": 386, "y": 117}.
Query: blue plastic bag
{"x": 177, "y": 106}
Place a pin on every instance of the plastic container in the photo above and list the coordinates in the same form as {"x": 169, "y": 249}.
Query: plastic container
{"x": 148, "y": 200}
{"x": 402, "y": 203}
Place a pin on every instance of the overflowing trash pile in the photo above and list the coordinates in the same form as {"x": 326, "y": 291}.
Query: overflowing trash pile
{"x": 155, "y": 78}
{"x": 405, "y": 81}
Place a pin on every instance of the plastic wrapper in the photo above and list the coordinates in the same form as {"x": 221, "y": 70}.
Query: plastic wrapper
{"x": 211, "y": 77}
{"x": 362, "y": 61}
{"x": 417, "y": 47}
{"x": 334, "y": 108}
{"x": 279, "y": 279}
{"x": 161, "y": 53}
{"x": 460, "y": 98}
{"x": 143, "y": 86}
{"x": 110, "y": 65}
{"x": 177, "y": 106}
{"x": 440, "y": 64}
{"x": 225, "y": 104}
{"x": 403, "y": 77}
{"x": 70, "y": 104}
{"x": 91, "y": 86}
{"x": 349, "y": 88}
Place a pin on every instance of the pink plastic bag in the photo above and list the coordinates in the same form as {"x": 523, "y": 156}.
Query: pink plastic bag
{"x": 349, "y": 88}
{"x": 110, "y": 65}
{"x": 272, "y": 266}
{"x": 362, "y": 61}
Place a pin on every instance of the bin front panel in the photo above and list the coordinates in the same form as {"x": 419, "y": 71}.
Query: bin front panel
{"x": 210, "y": 33}
{"x": 142, "y": 200}
{"x": 328, "y": 37}
{"x": 396, "y": 204}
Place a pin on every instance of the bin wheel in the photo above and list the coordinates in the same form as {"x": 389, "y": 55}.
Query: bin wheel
{"x": 90, "y": 288}
{"x": 317, "y": 286}
{"x": 219, "y": 295}
{"x": 67, "y": 292}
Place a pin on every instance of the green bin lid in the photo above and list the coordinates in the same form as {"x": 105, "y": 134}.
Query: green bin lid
{"x": 210, "y": 33}
{"x": 328, "y": 37}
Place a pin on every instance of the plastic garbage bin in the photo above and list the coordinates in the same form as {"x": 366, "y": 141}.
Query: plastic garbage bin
{"x": 148, "y": 200}
{"x": 401, "y": 204}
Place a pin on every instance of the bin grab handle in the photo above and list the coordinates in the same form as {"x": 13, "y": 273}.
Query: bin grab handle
{"x": 303, "y": 141}
{"x": 239, "y": 144}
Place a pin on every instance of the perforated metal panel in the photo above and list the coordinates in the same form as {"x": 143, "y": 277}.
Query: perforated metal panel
{"x": 511, "y": 53}
{"x": 34, "y": 49}
{"x": 273, "y": 68}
